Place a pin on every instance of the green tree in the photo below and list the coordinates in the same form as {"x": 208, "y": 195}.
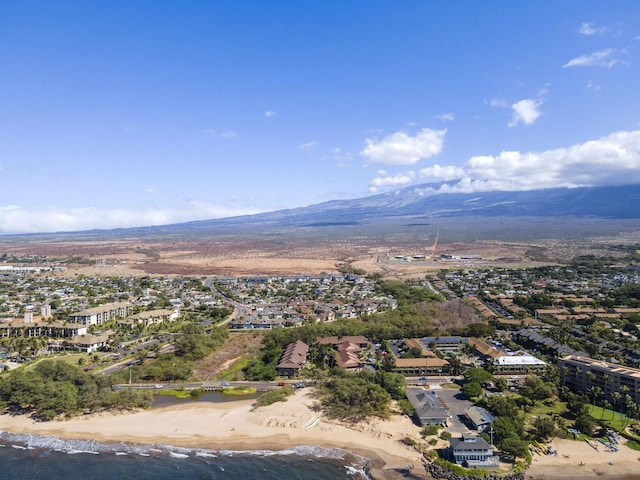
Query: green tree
{"x": 354, "y": 397}
{"x": 479, "y": 375}
{"x": 515, "y": 446}
{"x": 471, "y": 389}
{"x": 586, "y": 424}
{"x": 500, "y": 384}
{"x": 544, "y": 427}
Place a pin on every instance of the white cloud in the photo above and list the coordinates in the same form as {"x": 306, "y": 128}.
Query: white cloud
{"x": 611, "y": 160}
{"x": 307, "y": 146}
{"x": 601, "y": 58}
{"x": 438, "y": 172}
{"x": 498, "y": 102}
{"x": 338, "y": 154}
{"x": 227, "y": 134}
{"x": 525, "y": 111}
{"x": 150, "y": 190}
{"x": 589, "y": 29}
{"x": 16, "y": 219}
{"x": 592, "y": 86}
{"x": 445, "y": 117}
{"x": 400, "y": 148}
{"x": 270, "y": 113}
{"x": 393, "y": 181}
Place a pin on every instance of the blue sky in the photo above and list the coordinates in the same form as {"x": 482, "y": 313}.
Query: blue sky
{"x": 118, "y": 114}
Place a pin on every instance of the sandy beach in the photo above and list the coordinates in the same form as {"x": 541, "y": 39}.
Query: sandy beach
{"x": 238, "y": 426}
{"x": 579, "y": 460}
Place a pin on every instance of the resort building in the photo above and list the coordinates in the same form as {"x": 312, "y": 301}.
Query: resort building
{"x": 580, "y": 374}
{"x": 150, "y": 317}
{"x": 518, "y": 363}
{"x": 101, "y": 314}
{"x": 293, "y": 359}
{"x": 348, "y": 350}
{"x": 418, "y": 367}
{"x": 444, "y": 344}
{"x": 41, "y": 329}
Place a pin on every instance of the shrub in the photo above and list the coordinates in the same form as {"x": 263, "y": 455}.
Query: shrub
{"x": 409, "y": 441}
{"x": 272, "y": 396}
{"x": 430, "y": 430}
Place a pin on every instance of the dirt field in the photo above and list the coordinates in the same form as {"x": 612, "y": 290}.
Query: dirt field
{"x": 279, "y": 254}
{"x": 237, "y": 346}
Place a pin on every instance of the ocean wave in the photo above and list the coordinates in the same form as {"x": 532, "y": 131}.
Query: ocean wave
{"x": 178, "y": 455}
{"x": 355, "y": 464}
{"x": 205, "y": 454}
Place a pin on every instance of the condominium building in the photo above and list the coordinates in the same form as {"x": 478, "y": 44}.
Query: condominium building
{"x": 580, "y": 374}
{"x": 101, "y": 314}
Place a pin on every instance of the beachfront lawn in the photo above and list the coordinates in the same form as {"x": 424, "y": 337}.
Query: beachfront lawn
{"x": 76, "y": 359}
{"x": 556, "y": 407}
{"x": 615, "y": 420}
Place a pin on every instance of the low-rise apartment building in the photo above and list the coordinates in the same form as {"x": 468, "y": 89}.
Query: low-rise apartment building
{"x": 580, "y": 374}
{"x": 101, "y": 314}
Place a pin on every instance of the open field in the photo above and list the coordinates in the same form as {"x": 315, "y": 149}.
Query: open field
{"x": 373, "y": 248}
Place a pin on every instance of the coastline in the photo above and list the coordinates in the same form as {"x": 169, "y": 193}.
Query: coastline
{"x": 577, "y": 459}
{"x": 237, "y": 426}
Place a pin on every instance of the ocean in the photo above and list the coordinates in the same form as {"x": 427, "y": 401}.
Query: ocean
{"x": 34, "y": 457}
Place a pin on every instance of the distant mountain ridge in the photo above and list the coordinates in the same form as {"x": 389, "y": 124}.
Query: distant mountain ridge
{"x": 615, "y": 202}
{"x": 410, "y": 207}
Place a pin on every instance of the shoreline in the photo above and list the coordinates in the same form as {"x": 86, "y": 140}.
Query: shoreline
{"x": 576, "y": 459}
{"x": 237, "y": 426}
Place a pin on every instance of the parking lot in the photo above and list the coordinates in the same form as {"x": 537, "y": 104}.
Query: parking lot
{"x": 456, "y": 405}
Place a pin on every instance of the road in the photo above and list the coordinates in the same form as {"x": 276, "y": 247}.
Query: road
{"x": 209, "y": 385}
{"x": 239, "y": 309}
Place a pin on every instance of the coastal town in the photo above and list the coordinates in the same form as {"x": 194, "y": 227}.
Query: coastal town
{"x": 557, "y": 342}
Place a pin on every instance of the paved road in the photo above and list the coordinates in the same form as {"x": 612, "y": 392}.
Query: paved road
{"x": 215, "y": 384}
{"x": 239, "y": 309}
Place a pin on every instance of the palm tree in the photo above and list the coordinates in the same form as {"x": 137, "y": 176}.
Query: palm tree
{"x": 629, "y": 403}
{"x": 606, "y": 405}
{"x": 616, "y": 399}
{"x": 564, "y": 371}
{"x": 596, "y": 392}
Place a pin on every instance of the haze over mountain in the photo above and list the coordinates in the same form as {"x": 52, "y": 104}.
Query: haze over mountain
{"x": 411, "y": 205}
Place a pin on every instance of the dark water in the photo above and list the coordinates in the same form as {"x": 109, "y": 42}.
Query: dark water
{"x": 29, "y": 457}
{"x": 213, "y": 397}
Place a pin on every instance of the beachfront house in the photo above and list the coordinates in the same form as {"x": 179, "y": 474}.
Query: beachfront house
{"x": 472, "y": 452}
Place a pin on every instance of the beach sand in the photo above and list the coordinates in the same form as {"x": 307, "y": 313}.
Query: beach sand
{"x": 576, "y": 459}
{"x": 238, "y": 425}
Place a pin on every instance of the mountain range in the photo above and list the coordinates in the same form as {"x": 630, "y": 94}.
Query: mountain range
{"x": 420, "y": 203}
